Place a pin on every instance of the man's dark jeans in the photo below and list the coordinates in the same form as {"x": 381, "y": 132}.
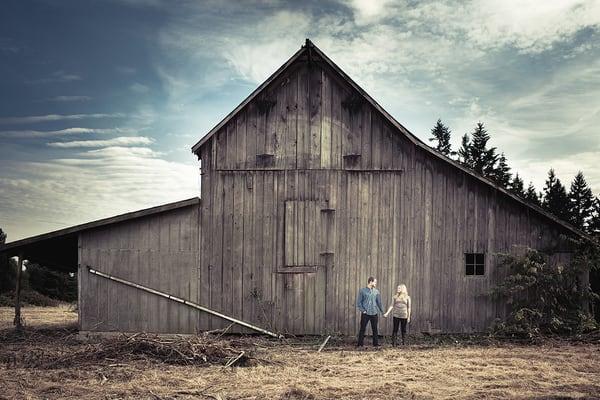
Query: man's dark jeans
{"x": 364, "y": 320}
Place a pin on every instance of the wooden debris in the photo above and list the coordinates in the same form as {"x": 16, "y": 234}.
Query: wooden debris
{"x": 324, "y": 343}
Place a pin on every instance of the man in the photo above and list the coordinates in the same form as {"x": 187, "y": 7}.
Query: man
{"x": 369, "y": 305}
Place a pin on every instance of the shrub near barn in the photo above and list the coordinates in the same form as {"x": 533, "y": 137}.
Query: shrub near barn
{"x": 546, "y": 297}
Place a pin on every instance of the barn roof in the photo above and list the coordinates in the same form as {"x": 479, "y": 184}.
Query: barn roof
{"x": 58, "y": 248}
{"x": 310, "y": 48}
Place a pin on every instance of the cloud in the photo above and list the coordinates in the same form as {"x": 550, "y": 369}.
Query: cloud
{"x": 125, "y": 70}
{"x": 62, "y": 99}
{"x": 28, "y": 134}
{"x": 54, "y": 117}
{"x": 118, "y": 141}
{"x": 56, "y": 77}
{"x": 40, "y": 196}
{"x": 139, "y": 88}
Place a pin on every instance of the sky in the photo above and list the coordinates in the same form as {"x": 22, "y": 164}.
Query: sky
{"x": 101, "y": 101}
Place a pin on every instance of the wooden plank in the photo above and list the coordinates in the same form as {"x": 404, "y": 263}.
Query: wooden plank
{"x": 251, "y": 136}
{"x": 326, "y": 121}
{"x": 310, "y": 210}
{"x": 342, "y": 258}
{"x": 330, "y": 229}
{"x": 238, "y": 245}
{"x": 206, "y": 237}
{"x": 354, "y": 277}
{"x": 231, "y": 143}
{"x": 216, "y": 271}
{"x": 303, "y": 122}
{"x": 240, "y": 148}
{"x": 276, "y": 286}
{"x": 221, "y": 148}
{"x": 370, "y": 146}
{"x": 336, "y": 125}
{"x": 271, "y": 117}
{"x": 154, "y": 274}
{"x": 427, "y": 240}
{"x": 270, "y": 225}
{"x": 290, "y": 242}
{"x": 248, "y": 290}
{"x": 280, "y": 135}
{"x": 315, "y": 77}
{"x": 259, "y": 226}
{"x": 291, "y": 118}
{"x": 228, "y": 269}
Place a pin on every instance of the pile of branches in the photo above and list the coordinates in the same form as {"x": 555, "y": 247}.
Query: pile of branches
{"x": 179, "y": 350}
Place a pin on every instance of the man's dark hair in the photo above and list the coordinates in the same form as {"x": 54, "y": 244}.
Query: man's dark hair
{"x": 371, "y": 279}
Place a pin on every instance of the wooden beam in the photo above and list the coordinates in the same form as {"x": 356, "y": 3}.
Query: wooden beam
{"x": 183, "y": 301}
{"x": 17, "y": 321}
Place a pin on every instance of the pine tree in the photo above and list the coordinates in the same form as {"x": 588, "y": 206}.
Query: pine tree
{"x": 2, "y": 236}
{"x": 517, "y": 186}
{"x": 464, "y": 153}
{"x": 594, "y": 225}
{"x": 532, "y": 196}
{"x": 581, "y": 202}
{"x": 556, "y": 200}
{"x": 441, "y": 134}
{"x": 483, "y": 159}
{"x": 501, "y": 172}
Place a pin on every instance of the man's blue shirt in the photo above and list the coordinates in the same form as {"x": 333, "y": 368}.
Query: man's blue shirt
{"x": 369, "y": 301}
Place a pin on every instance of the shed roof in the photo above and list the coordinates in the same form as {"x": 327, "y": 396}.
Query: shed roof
{"x": 59, "y": 248}
{"x": 310, "y": 48}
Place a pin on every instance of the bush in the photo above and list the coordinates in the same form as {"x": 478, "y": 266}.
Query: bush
{"x": 28, "y": 298}
{"x": 55, "y": 284}
{"x": 544, "y": 297}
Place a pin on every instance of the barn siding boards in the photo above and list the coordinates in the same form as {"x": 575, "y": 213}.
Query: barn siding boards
{"x": 149, "y": 251}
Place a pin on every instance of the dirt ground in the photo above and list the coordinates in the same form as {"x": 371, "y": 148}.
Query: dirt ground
{"x": 292, "y": 369}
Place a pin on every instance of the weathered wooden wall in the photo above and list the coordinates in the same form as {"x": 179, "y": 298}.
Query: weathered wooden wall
{"x": 392, "y": 210}
{"x": 159, "y": 251}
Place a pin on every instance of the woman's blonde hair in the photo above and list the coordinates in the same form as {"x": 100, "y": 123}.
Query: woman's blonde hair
{"x": 402, "y": 293}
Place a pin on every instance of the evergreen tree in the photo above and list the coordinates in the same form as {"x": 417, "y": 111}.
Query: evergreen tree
{"x": 594, "y": 225}
{"x": 501, "y": 173}
{"x": 532, "y": 196}
{"x": 441, "y": 134}
{"x": 483, "y": 159}
{"x": 556, "y": 200}
{"x": 464, "y": 153}
{"x": 2, "y": 236}
{"x": 581, "y": 202}
{"x": 517, "y": 186}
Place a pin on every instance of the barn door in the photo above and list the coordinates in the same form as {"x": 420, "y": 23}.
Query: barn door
{"x": 305, "y": 264}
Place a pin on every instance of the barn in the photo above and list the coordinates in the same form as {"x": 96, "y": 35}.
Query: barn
{"x": 307, "y": 188}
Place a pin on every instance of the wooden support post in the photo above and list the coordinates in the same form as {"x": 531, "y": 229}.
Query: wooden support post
{"x": 17, "y": 321}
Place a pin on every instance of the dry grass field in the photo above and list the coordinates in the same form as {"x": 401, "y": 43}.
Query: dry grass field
{"x": 291, "y": 369}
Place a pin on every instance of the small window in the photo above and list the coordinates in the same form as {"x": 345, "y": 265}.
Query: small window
{"x": 474, "y": 263}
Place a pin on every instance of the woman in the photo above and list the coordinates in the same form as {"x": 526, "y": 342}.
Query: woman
{"x": 400, "y": 310}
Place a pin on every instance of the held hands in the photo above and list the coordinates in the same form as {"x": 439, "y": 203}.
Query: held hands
{"x": 386, "y": 314}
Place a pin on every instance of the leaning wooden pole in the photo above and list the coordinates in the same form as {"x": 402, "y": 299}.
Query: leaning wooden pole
{"x": 182, "y": 301}
{"x": 17, "y": 321}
